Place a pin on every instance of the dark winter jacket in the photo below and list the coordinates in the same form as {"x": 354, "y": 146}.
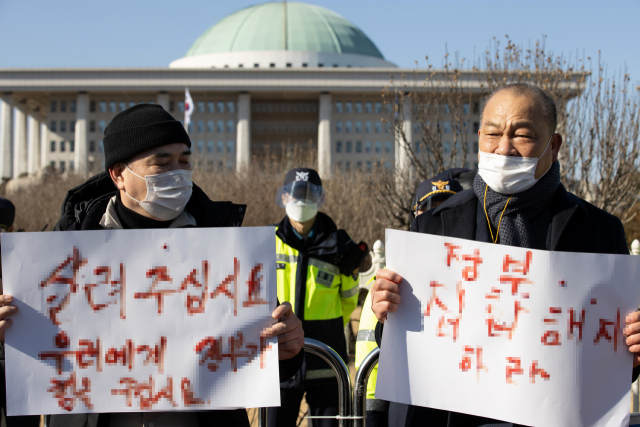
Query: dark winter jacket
{"x": 82, "y": 209}
{"x": 574, "y": 226}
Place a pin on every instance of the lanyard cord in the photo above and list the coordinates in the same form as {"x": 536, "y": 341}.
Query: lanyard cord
{"x": 499, "y": 221}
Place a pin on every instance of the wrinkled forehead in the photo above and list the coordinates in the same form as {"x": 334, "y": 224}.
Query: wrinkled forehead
{"x": 510, "y": 107}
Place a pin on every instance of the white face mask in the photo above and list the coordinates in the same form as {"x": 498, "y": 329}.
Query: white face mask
{"x": 301, "y": 211}
{"x": 167, "y": 193}
{"x": 509, "y": 174}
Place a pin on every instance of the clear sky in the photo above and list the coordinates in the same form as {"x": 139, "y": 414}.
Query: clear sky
{"x": 136, "y": 33}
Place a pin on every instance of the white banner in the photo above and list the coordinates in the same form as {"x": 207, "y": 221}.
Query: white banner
{"x": 140, "y": 320}
{"x": 525, "y": 336}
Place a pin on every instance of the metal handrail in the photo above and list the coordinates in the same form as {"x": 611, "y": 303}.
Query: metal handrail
{"x": 341, "y": 370}
{"x": 360, "y": 386}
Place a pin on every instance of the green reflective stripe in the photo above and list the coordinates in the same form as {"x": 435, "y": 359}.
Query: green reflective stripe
{"x": 349, "y": 292}
{"x": 286, "y": 258}
{"x": 324, "y": 266}
{"x": 366, "y": 335}
{"x": 317, "y": 374}
{"x": 377, "y": 405}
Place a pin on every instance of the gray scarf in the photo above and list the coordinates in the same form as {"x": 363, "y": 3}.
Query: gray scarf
{"x": 515, "y": 228}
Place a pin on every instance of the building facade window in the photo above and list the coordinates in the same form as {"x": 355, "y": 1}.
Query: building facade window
{"x": 71, "y": 165}
{"x": 358, "y": 127}
{"x": 72, "y": 126}
{"x": 220, "y": 126}
{"x": 72, "y": 106}
{"x": 347, "y": 127}
{"x": 200, "y": 126}
{"x": 378, "y": 127}
{"x": 53, "y": 147}
{"x": 72, "y": 146}
{"x": 52, "y": 165}
{"x": 378, "y": 108}
{"x": 131, "y": 104}
{"x": 210, "y": 126}
{"x": 220, "y": 107}
{"x": 92, "y": 125}
{"x": 348, "y": 107}
{"x": 388, "y": 147}
{"x": 338, "y": 146}
{"x": 190, "y": 127}
{"x": 101, "y": 147}
{"x": 63, "y": 106}
{"x": 220, "y": 146}
{"x": 338, "y": 127}
{"x": 62, "y": 167}
{"x": 63, "y": 126}
{"x": 446, "y": 127}
{"x": 349, "y": 147}
{"x": 231, "y": 107}
{"x": 359, "y": 107}
{"x": 102, "y": 107}
{"x": 369, "y": 166}
{"x": 112, "y": 107}
{"x": 52, "y": 126}
{"x": 358, "y": 146}
{"x": 92, "y": 106}
{"x": 210, "y": 146}
{"x": 102, "y": 124}
{"x": 54, "y": 107}
{"x": 63, "y": 147}
{"x": 367, "y": 127}
{"x": 367, "y": 108}
{"x": 230, "y": 145}
{"x": 122, "y": 106}
{"x": 230, "y": 126}
{"x": 465, "y": 108}
{"x": 358, "y": 165}
{"x": 211, "y": 107}
{"x": 339, "y": 107}
{"x": 367, "y": 147}
{"x": 200, "y": 107}
{"x": 200, "y": 147}
{"x": 378, "y": 147}
{"x": 181, "y": 107}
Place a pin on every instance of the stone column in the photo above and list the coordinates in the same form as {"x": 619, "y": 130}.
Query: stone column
{"x": 325, "y": 153}
{"x": 243, "y": 133}
{"x": 21, "y": 159}
{"x": 6, "y": 136}
{"x": 163, "y": 100}
{"x": 82, "y": 113}
{"x": 44, "y": 143}
{"x": 403, "y": 162}
{"x": 34, "y": 143}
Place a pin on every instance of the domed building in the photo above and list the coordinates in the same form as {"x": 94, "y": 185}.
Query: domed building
{"x": 267, "y": 76}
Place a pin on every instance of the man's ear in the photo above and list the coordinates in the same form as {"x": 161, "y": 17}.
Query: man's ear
{"x": 556, "y": 143}
{"x": 115, "y": 172}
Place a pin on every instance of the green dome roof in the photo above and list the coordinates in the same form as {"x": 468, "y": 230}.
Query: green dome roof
{"x": 289, "y": 26}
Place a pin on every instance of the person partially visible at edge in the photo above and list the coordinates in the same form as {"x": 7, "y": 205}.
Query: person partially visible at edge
{"x": 317, "y": 269}
{"x": 518, "y": 181}
{"x": 7, "y": 215}
{"x": 147, "y": 184}
{"x": 429, "y": 195}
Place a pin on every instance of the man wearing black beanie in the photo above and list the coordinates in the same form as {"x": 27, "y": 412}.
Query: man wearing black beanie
{"x": 147, "y": 184}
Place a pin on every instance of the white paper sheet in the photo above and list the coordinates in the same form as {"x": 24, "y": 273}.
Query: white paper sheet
{"x": 437, "y": 350}
{"x": 152, "y": 320}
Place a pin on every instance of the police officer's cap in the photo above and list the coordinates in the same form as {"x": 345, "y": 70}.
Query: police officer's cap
{"x": 303, "y": 175}
{"x": 440, "y": 187}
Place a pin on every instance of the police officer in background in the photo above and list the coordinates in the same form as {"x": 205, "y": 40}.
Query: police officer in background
{"x": 429, "y": 195}
{"x": 317, "y": 269}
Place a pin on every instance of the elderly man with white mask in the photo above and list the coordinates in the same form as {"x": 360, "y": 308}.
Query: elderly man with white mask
{"x": 517, "y": 199}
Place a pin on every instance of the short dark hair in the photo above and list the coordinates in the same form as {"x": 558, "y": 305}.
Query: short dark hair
{"x": 549, "y": 111}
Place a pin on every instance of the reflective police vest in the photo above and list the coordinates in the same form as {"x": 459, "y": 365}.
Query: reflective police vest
{"x": 321, "y": 297}
{"x": 365, "y": 343}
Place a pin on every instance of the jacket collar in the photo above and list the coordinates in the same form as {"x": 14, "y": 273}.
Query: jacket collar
{"x": 322, "y": 242}
{"x": 111, "y": 221}
{"x": 458, "y": 214}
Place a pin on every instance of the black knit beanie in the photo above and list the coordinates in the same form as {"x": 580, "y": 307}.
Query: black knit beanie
{"x": 140, "y": 128}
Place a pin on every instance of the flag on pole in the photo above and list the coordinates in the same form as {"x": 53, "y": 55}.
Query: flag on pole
{"x": 188, "y": 107}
